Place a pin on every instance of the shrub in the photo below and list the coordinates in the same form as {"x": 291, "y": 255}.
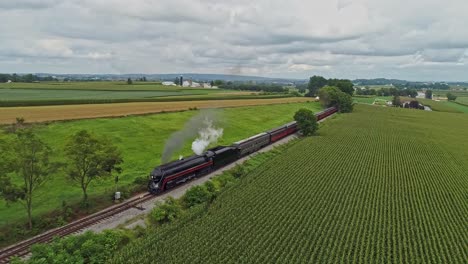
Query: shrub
{"x": 86, "y": 248}
{"x": 196, "y": 195}
{"x": 165, "y": 212}
{"x": 451, "y": 97}
{"x": 141, "y": 180}
{"x": 238, "y": 171}
{"x": 223, "y": 180}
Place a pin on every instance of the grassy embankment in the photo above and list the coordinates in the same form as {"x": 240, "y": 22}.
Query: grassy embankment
{"x": 141, "y": 140}
{"x": 378, "y": 185}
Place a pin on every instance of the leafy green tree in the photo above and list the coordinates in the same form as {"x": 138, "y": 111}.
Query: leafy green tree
{"x": 90, "y": 158}
{"x": 412, "y": 93}
{"x": 451, "y": 97}
{"x": 344, "y": 85}
{"x": 27, "y": 157}
{"x": 315, "y": 83}
{"x": 177, "y": 81}
{"x": 212, "y": 84}
{"x": 332, "y": 96}
{"x": 429, "y": 94}
{"x": 129, "y": 81}
{"x": 218, "y": 83}
{"x": 306, "y": 121}
{"x": 28, "y": 78}
{"x": 396, "y": 101}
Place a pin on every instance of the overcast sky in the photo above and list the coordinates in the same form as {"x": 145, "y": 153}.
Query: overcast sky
{"x": 405, "y": 39}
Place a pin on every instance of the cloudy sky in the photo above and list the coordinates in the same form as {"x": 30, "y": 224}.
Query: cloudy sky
{"x": 414, "y": 40}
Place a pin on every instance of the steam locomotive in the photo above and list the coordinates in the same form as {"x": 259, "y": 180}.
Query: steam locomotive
{"x": 176, "y": 172}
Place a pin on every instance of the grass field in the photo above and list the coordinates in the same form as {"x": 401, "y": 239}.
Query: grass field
{"x": 67, "y": 112}
{"x": 61, "y": 95}
{"x": 370, "y": 99}
{"x": 444, "y": 106}
{"x": 141, "y": 140}
{"x": 57, "y": 93}
{"x": 462, "y": 100}
{"x": 440, "y": 106}
{"x": 443, "y": 93}
{"x": 380, "y": 185}
{"x": 103, "y": 86}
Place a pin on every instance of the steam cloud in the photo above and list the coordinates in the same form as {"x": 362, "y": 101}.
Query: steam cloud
{"x": 201, "y": 125}
{"x": 207, "y": 135}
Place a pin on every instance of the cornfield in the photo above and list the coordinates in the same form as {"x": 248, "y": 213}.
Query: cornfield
{"x": 376, "y": 186}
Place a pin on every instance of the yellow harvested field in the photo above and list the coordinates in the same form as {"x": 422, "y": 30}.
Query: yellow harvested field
{"x": 8, "y": 115}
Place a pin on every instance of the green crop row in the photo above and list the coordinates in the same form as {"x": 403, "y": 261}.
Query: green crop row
{"x": 376, "y": 186}
{"x": 166, "y": 98}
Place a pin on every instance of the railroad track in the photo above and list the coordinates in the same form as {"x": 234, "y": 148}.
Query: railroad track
{"x": 23, "y": 248}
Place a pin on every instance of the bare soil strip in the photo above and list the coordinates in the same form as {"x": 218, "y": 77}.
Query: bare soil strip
{"x": 8, "y": 115}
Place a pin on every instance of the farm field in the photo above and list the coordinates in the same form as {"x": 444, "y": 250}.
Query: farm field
{"x": 443, "y": 93}
{"x": 98, "y": 85}
{"x": 376, "y": 186}
{"x": 462, "y": 100}
{"x": 141, "y": 140}
{"x": 370, "y": 99}
{"x": 61, "y": 95}
{"x": 8, "y": 115}
{"x": 56, "y": 93}
{"x": 444, "y": 106}
{"x": 440, "y": 106}
{"x": 459, "y": 106}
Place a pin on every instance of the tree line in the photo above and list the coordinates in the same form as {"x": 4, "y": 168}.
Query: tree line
{"x": 26, "y": 165}
{"x": 28, "y": 78}
{"x": 273, "y": 88}
{"x": 419, "y": 86}
{"x": 392, "y": 91}
{"x": 402, "y": 84}
{"x": 318, "y": 82}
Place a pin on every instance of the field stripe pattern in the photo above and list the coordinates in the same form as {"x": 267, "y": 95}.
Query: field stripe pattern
{"x": 380, "y": 185}
{"x": 8, "y": 115}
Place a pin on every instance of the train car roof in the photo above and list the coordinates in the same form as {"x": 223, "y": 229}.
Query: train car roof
{"x": 291, "y": 123}
{"x": 324, "y": 111}
{"x": 251, "y": 138}
{"x": 276, "y": 129}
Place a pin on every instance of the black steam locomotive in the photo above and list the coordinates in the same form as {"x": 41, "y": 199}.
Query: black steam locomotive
{"x": 176, "y": 172}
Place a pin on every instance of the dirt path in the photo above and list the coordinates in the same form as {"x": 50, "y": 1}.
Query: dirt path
{"x": 8, "y": 115}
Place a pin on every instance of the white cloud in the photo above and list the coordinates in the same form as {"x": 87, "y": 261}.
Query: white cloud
{"x": 420, "y": 39}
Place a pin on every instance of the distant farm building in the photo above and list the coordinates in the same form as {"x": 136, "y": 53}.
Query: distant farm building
{"x": 169, "y": 83}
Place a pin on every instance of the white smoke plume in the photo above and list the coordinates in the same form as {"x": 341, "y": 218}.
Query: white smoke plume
{"x": 206, "y": 135}
{"x": 190, "y": 130}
